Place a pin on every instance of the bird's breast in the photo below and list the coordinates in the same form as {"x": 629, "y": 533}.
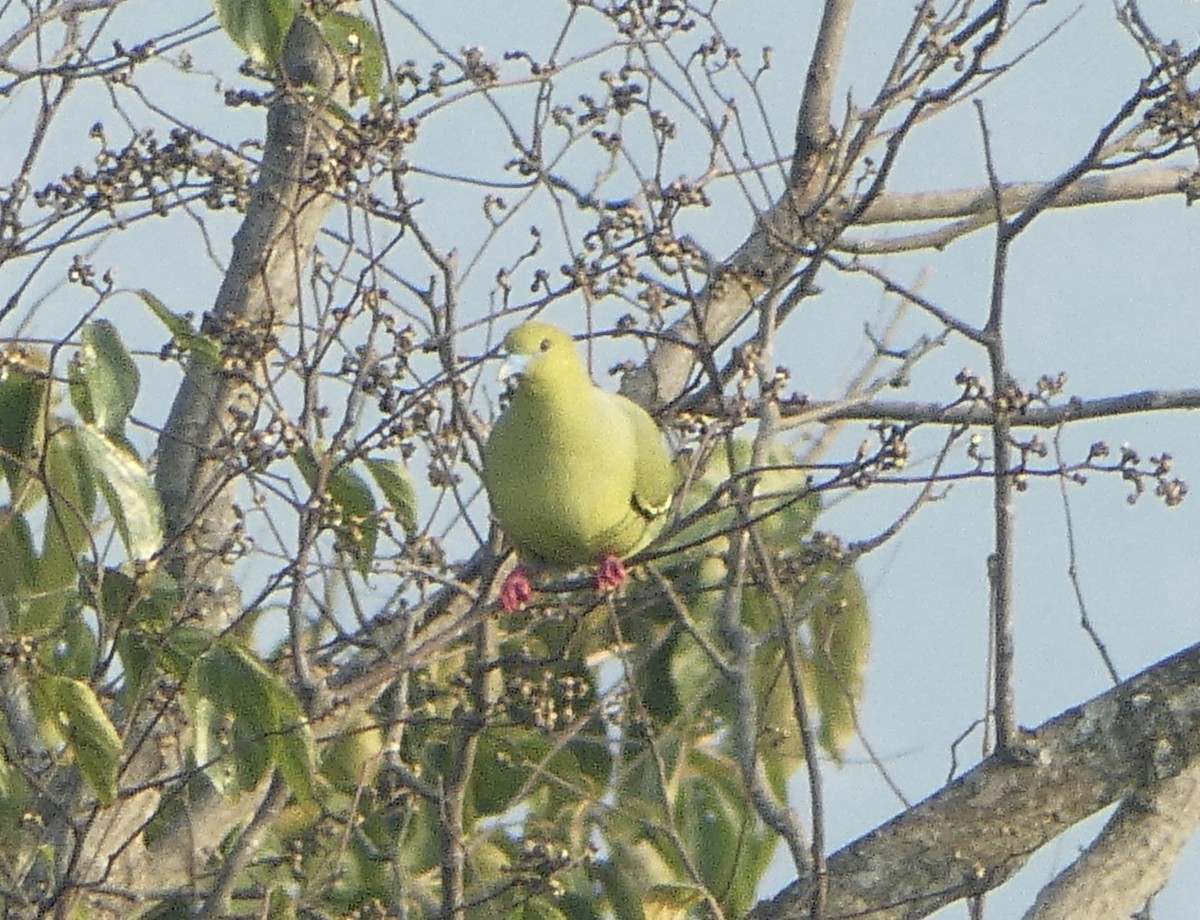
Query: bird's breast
{"x": 567, "y": 494}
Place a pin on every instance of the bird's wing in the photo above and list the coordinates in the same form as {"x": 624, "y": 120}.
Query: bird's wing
{"x": 573, "y": 471}
{"x": 654, "y": 472}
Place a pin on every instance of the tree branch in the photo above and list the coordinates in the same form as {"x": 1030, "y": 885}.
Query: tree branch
{"x": 261, "y": 287}
{"x": 198, "y": 452}
{"x": 1133, "y": 738}
{"x": 813, "y": 129}
{"x": 1104, "y": 882}
{"x": 1076, "y": 410}
{"x": 900, "y": 208}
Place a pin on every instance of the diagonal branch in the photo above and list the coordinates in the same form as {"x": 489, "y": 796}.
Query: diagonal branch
{"x": 198, "y": 453}
{"x": 775, "y": 245}
{"x": 1135, "y": 739}
{"x": 1104, "y": 882}
{"x": 198, "y": 456}
{"x": 1076, "y": 410}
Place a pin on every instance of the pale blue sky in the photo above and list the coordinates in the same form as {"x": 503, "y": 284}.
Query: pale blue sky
{"x": 1106, "y": 295}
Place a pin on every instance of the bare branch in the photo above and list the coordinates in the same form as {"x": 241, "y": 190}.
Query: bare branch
{"x": 972, "y": 414}
{"x": 1104, "y": 882}
{"x": 1137, "y": 735}
{"x": 813, "y": 129}
{"x": 936, "y": 204}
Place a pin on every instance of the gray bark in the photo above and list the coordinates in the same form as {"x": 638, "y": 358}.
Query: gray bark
{"x": 199, "y": 456}
{"x": 1138, "y": 743}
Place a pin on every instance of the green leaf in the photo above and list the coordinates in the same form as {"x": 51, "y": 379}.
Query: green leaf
{"x": 536, "y": 908}
{"x": 671, "y": 902}
{"x": 837, "y": 619}
{"x": 24, "y": 392}
{"x": 71, "y": 497}
{"x": 138, "y": 653}
{"x": 350, "y": 492}
{"x": 74, "y": 652}
{"x": 281, "y": 905}
{"x": 292, "y": 744}
{"x": 245, "y": 720}
{"x": 357, "y": 529}
{"x": 71, "y": 491}
{"x": 182, "y": 646}
{"x": 593, "y": 754}
{"x": 143, "y": 647}
{"x": 352, "y": 758}
{"x": 396, "y": 484}
{"x": 81, "y": 395}
{"x": 71, "y": 714}
{"x": 306, "y": 463}
{"x": 230, "y": 706}
{"x": 128, "y": 491}
{"x": 177, "y": 324}
{"x": 258, "y": 27}
{"x": 660, "y": 694}
{"x": 355, "y": 39}
{"x": 716, "y": 821}
{"x": 20, "y": 560}
{"x": 158, "y": 597}
{"x": 103, "y": 378}
{"x": 506, "y": 759}
{"x": 118, "y": 596}
{"x": 54, "y": 592}
{"x": 204, "y": 347}
{"x": 365, "y": 538}
{"x": 149, "y": 599}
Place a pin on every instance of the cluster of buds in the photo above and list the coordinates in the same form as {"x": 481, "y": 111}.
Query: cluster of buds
{"x": 245, "y": 343}
{"x": 542, "y": 860}
{"x": 654, "y": 17}
{"x": 146, "y": 171}
{"x": 1171, "y": 490}
{"x": 547, "y": 701}
{"x": 891, "y": 453}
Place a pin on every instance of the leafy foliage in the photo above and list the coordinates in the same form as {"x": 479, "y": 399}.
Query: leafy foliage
{"x": 71, "y": 714}
{"x": 591, "y": 754}
{"x": 291, "y": 679}
{"x": 357, "y": 42}
{"x": 258, "y": 27}
{"x": 61, "y": 602}
{"x": 354, "y": 514}
{"x": 246, "y": 721}
{"x": 183, "y": 336}
{"x": 601, "y": 782}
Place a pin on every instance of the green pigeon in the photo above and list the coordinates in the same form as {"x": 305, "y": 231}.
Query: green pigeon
{"x": 574, "y": 474}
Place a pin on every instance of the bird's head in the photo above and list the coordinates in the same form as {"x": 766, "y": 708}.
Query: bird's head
{"x": 539, "y": 354}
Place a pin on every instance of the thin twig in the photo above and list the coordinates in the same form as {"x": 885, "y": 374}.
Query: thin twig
{"x": 1000, "y": 563}
{"x": 246, "y": 845}
{"x": 1085, "y": 621}
{"x": 462, "y": 767}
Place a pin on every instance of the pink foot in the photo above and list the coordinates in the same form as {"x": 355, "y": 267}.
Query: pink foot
{"x": 517, "y": 590}
{"x": 611, "y": 574}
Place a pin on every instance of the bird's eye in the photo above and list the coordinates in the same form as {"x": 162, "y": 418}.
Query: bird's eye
{"x": 544, "y": 345}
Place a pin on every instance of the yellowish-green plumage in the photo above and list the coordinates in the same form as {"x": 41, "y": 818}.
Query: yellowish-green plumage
{"x": 573, "y": 473}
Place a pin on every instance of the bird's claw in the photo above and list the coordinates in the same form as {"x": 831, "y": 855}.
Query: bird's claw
{"x": 517, "y": 590}
{"x": 610, "y": 575}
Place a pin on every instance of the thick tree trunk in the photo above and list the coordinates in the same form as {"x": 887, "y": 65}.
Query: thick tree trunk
{"x": 200, "y": 453}
{"x": 1137, "y": 743}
